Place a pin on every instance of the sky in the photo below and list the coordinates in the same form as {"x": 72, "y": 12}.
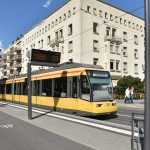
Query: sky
{"x": 17, "y": 16}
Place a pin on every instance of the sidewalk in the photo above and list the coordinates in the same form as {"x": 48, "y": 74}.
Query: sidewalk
{"x": 137, "y": 104}
{"x": 95, "y": 138}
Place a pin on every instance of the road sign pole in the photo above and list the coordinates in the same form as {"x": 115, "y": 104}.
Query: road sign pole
{"x": 147, "y": 78}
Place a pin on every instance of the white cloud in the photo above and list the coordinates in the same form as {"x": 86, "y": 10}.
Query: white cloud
{"x": 48, "y": 3}
{"x": 0, "y": 44}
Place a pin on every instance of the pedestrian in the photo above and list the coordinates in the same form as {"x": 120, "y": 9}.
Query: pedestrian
{"x": 127, "y": 95}
{"x": 131, "y": 94}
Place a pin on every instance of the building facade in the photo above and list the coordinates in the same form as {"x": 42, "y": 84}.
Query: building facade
{"x": 84, "y": 31}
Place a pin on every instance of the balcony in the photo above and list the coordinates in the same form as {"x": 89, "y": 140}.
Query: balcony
{"x": 4, "y": 70}
{"x": 17, "y": 57}
{"x": 4, "y": 56}
{"x": 113, "y": 39}
{"x": 5, "y": 76}
{"x": 10, "y": 60}
{"x": 10, "y": 67}
{"x": 17, "y": 65}
{"x": 56, "y": 41}
{"x": 10, "y": 53}
{"x": 3, "y": 64}
{"x": 17, "y": 49}
{"x": 61, "y": 39}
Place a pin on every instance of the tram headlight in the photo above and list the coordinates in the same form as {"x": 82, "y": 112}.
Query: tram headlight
{"x": 98, "y": 105}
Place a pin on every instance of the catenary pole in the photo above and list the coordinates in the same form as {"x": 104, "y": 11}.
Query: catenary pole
{"x": 147, "y": 79}
{"x": 29, "y": 92}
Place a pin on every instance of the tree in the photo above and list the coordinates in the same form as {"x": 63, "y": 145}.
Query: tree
{"x": 128, "y": 81}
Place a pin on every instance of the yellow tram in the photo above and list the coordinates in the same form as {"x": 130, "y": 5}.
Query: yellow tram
{"x": 73, "y": 88}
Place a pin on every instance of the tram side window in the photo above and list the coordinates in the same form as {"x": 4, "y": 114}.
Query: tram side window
{"x": 2, "y": 89}
{"x": 74, "y": 88}
{"x": 85, "y": 90}
{"x": 60, "y": 87}
{"x": 47, "y": 87}
{"x": 17, "y": 88}
{"x": 36, "y": 88}
{"x": 24, "y": 88}
{"x": 8, "y": 88}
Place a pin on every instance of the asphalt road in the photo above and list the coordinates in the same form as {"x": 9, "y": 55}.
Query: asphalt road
{"x": 16, "y": 134}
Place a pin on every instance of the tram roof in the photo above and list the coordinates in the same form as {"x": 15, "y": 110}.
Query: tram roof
{"x": 63, "y": 66}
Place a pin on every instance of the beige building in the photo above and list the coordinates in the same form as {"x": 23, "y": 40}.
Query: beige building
{"x": 84, "y": 31}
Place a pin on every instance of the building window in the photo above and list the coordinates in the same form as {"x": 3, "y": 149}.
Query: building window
{"x": 45, "y": 28}
{"x": 133, "y": 25}
{"x": 117, "y": 65}
{"x": 52, "y": 24}
{"x": 56, "y": 22}
{"x": 106, "y": 15}
{"x": 95, "y": 61}
{"x": 70, "y": 47}
{"x": 136, "y": 68}
{"x": 120, "y": 20}
{"x": 56, "y": 36}
{"x": 60, "y": 19}
{"x": 64, "y": 17}
{"x": 135, "y": 40}
{"x": 117, "y": 49}
{"x": 69, "y": 14}
{"x": 135, "y": 53}
{"x": 125, "y": 69}
{"x": 111, "y": 17}
{"x": 95, "y": 46}
{"x": 116, "y": 19}
{"x": 129, "y": 24}
{"x": 137, "y": 27}
{"x": 112, "y": 65}
{"x": 71, "y": 60}
{"x": 108, "y": 32}
{"x": 114, "y": 32}
{"x": 125, "y": 22}
{"x": 88, "y": 9}
{"x": 74, "y": 10}
{"x": 95, "y": 28}
{"x": 125, "y": 51}
{"x": 43, "y": 31}
{"x": 111, "y": 48}
{"x": 41, "y": 43}
{"x": 125, "y": 38}
{"x": 49, "y": 26}
{"x": 94, "y": 11}
{"x": 100, "y": 14}
{"x": 141, "y": 28}
{"x": 48, "y": 40}
{"x": 61, "y": 33}
{"x": 70, "y": 30}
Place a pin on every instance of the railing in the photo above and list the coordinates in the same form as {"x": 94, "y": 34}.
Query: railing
{"x": 137, "y": 139}
{"x": 115, "y": 39}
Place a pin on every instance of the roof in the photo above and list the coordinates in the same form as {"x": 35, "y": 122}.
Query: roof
{"x": 63, "y": 66}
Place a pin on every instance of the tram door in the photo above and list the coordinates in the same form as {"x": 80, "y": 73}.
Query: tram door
{"x": 72, "y": 93}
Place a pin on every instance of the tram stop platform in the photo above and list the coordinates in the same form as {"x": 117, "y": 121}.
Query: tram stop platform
{"x": 55, "y": 131}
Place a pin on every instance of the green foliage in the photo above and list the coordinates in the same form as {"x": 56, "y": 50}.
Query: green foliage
{"x": 128, "y": 81}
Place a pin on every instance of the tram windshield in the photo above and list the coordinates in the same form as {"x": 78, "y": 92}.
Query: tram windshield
{"x": 101, "y": 85}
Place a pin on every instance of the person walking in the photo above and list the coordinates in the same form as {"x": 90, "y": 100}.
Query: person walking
{"x": 131, "y": 94}
{"x": 127, "y": 95}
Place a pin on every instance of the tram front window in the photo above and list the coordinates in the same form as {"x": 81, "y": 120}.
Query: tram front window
{"x": 101, "y": 85}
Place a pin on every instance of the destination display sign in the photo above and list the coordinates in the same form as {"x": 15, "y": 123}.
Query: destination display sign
{"x": 45, "y": 56}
